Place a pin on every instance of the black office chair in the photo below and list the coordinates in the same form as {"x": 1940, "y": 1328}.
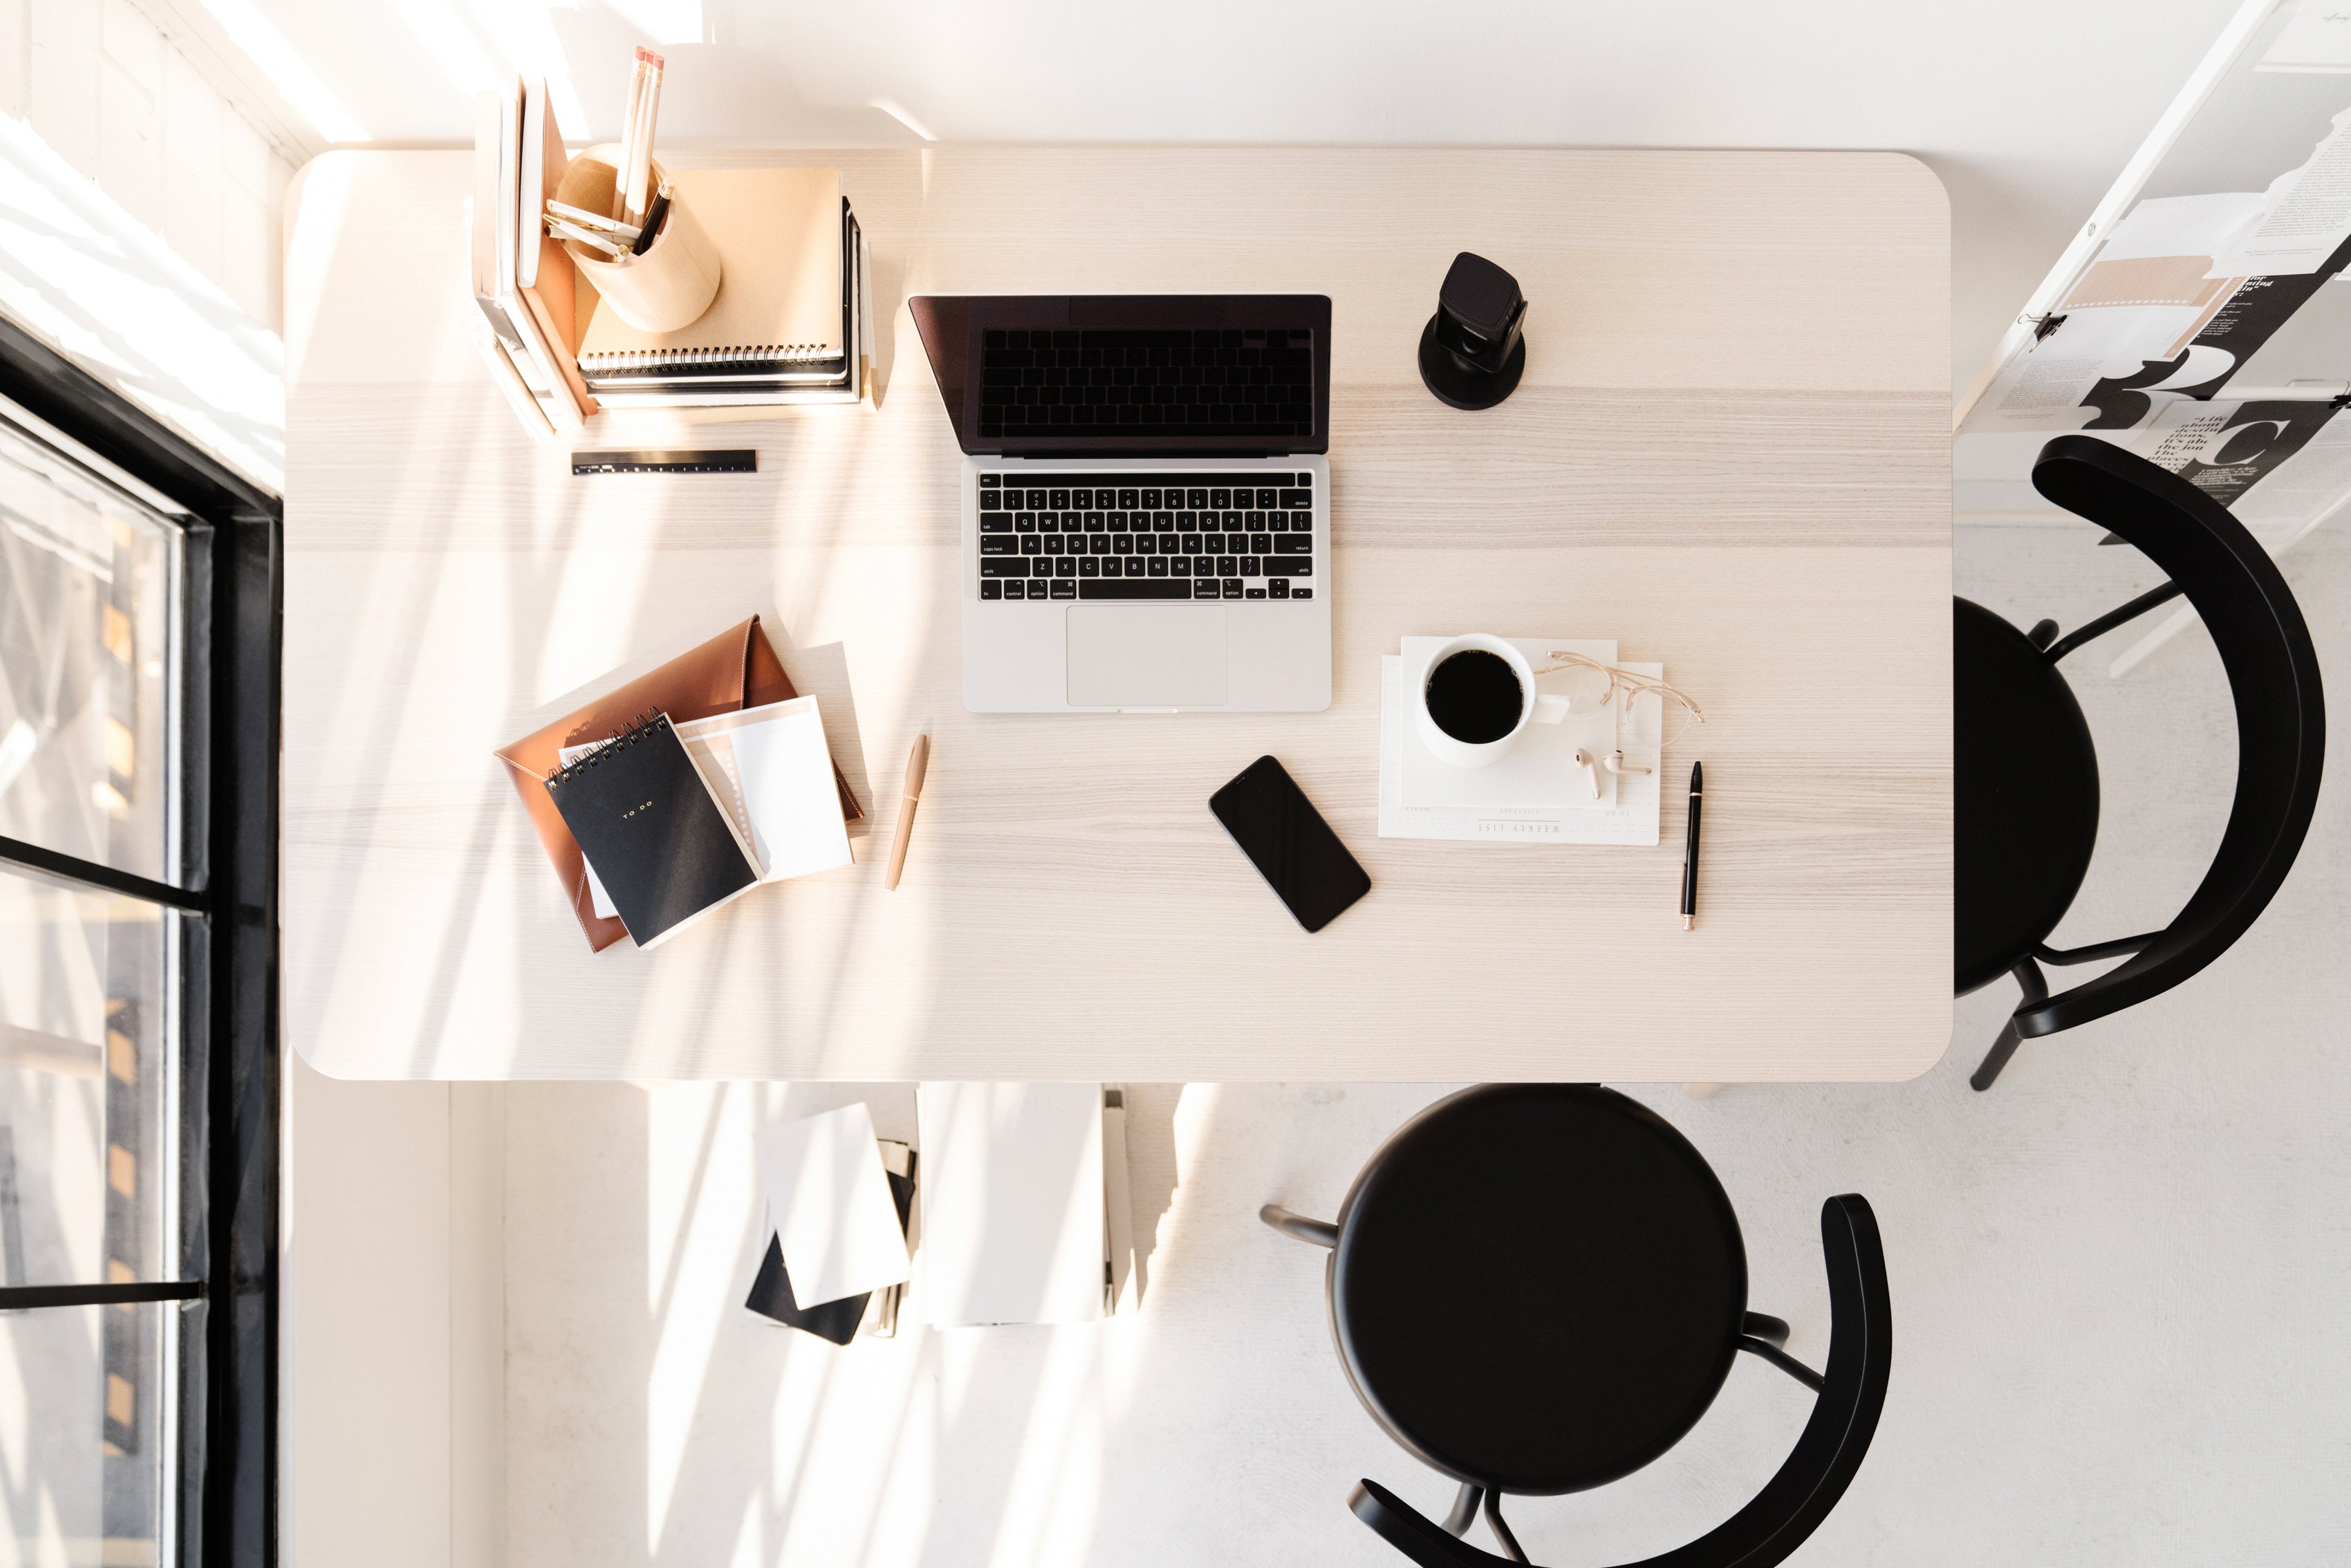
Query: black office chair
{"x": 1537, "y": 1289}
{"x": 2025, "y": 775}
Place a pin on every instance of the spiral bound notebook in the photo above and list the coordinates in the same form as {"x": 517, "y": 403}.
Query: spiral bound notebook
{"x": 874, "y": 1313}
{"x": 777, "y": 313}
{"x": 771, "y": 772}
{"x": 661, "y": 845}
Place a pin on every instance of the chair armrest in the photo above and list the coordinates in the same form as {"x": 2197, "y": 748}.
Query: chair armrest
{"x": 1821, "y": 1464}
{"x": 1298, "y": 1227}
{"x": 1414, "y": 1533}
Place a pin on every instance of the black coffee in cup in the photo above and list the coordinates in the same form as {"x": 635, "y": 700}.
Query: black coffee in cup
{"x": 1474, "y": 698}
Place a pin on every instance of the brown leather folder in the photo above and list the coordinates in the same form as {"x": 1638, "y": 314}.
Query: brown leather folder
{"x": 738, "y": 669}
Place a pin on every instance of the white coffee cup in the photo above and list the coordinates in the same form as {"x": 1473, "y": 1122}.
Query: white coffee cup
{"x": 1534, "y": 706}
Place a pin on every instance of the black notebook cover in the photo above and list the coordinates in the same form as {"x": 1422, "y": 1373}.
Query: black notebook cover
{"x": 771, "y": 1287}
{"x": 646, "y": 822}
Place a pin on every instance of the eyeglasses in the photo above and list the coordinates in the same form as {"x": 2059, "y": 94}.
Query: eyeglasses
{"x": 1659, "y": 723}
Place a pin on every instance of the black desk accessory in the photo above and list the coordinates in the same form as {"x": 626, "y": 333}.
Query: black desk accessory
{"x": 1291, "y": 846}
{"x": 1690, "y": 851}
{"x": 655, "y": 215}
{"x": 1472, "y": 353}
{"x": 729, "y": 460}
{"x": 645, "y": 818}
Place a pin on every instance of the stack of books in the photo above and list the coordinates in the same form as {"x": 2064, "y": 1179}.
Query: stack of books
{"x": 1027, "y": 1209}
{"x": 792, "y": 323}
{"x": 792, "y": 320}
{"x": 528, "y": 291}
{"x": 840, "y": 1214}
{"x": 1028, "y": 1214}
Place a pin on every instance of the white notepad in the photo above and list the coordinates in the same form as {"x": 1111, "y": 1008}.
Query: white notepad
{"x": 1632, "y": 820}
{"x": 1539, "y": 771}
{"x": 1013, "y": 1225}
{"x": 770, "y": 771}
{"x": 828, "y": 1197}
{"x": 783, "y": 768}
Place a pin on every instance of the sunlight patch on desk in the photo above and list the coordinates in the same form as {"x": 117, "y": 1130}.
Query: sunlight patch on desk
{"x": 324, "y": 188}
{"x": 592, "y": 630}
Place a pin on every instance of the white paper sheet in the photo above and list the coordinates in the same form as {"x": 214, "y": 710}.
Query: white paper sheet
{"x": 1632, "y": 820}
{"x": 2181, "y": 226}
{"x": 2317, "y": 37}
{"x": 2302, "y": 489}
{"x": 829, "y": 1199}
{"x": 2274, "y": 497}
{"x": 1539, "y": 771}
{"x": 2046, "y": 383}
{"x": 1012, "y": 1203}
{"x": 786, "y": 774}
{"x": 2043, "y": 388}
{"x": 2305, "y": 214}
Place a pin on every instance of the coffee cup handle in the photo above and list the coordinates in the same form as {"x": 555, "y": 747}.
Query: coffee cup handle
{"x": 1550, "y": 707}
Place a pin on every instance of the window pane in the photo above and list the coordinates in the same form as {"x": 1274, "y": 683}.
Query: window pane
{"x": 89, "y": 597}
{"x": 88, "y": 1420}
{"x": 88, "y": 1144}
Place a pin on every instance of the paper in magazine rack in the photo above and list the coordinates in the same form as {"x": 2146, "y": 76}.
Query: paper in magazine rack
{"x": 738, "y": 669}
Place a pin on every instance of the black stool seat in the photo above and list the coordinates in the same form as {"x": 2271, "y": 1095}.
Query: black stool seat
{"x": 2025, "y": 784}
{"x": 1537, "y": 1288}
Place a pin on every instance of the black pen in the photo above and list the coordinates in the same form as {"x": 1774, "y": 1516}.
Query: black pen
{"x": 654, "y": 214}
{"x": 1689, "y": 855}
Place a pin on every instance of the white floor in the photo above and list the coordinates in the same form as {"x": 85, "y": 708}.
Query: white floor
{"x": 2117, "y": 1277}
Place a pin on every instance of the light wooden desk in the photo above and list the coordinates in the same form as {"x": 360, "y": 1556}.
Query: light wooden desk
{"x": 1730, "y": 453}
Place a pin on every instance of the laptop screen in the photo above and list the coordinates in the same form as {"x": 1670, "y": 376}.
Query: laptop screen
{"x": 1231, "y": 374}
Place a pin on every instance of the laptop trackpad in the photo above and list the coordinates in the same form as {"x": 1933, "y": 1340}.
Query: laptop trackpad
{"x": 1147, "y": 655}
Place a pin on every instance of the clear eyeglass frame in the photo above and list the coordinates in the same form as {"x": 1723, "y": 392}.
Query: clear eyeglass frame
{"x": 1649, "y": 725}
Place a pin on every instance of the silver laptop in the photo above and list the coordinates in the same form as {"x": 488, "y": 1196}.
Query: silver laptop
{"x": 1146, "y": 507}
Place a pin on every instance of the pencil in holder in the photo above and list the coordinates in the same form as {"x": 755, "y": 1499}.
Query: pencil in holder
{"x": 668, "y": 286}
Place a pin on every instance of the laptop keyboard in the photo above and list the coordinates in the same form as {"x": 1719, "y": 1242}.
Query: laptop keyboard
{"x": 1257, "y": 383}
{"x": 1146, "y": 536}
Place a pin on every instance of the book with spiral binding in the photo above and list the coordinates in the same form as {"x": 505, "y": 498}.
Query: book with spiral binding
{"x": 665, "y": 850}
{"x": 875, "y": 1312}
{"x": 783, "y": 263}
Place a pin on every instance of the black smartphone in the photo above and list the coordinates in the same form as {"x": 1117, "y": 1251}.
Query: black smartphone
{"x": 1290, "y": 844}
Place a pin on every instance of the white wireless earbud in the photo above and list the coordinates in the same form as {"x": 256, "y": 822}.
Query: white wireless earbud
{"x": 1590, "y": 769}
{"x": 1617, "y": 764}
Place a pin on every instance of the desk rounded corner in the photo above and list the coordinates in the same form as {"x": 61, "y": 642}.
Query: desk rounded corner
{"x": 1920, "y": 174}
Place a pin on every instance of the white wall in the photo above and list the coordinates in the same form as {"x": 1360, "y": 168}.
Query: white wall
{"x": 112, "y": 90}
{"x": 2025, "y": 108}
{"x": 392, "y": 1432}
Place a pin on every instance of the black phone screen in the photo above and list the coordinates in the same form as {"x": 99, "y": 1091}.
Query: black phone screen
{"x": 1290, "y": 844}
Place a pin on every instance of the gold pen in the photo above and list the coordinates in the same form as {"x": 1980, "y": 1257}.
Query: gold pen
{"x": 918, "y": 762}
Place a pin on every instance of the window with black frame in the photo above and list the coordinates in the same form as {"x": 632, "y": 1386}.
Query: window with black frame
{"x": 137, "y": 1053}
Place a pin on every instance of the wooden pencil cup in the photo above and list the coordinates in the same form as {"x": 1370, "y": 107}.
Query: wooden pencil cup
{"x": 673, "y": 282}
